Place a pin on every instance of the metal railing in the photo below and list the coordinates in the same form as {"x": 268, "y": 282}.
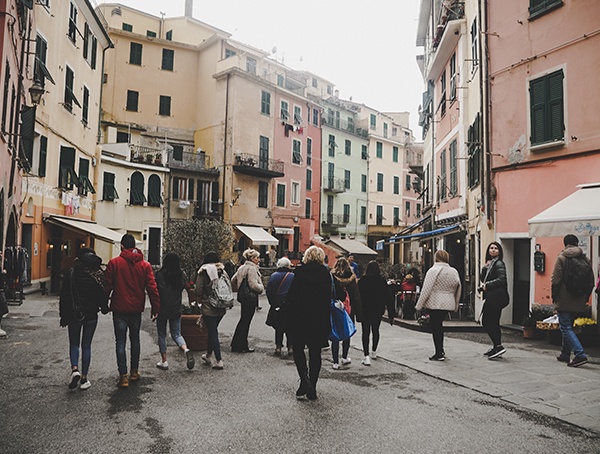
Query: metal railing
{"x": 335, "y": 219}
{"x": 254, "y": 161}
{"x": 334, "y": 184}
{"x": 188, "y": 161}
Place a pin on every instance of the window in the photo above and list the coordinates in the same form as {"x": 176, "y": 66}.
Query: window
{"x": 379, "y": 182}
{"x": 229, "y": 53}
{"x": 43, "y": 154}
{"x": 396, "y": 216}
{"x": 308, "y": 179}
{"x": 308, "y": 110}
{"x": 379, "y": 150}
{"x": 329, "y": 89}
{"x": 263, "y": 194}
{"x": 379, "y": 214}
{"x": 363, "y": 183}
{"x": 443, "y": 95}
{"x": 296, "y": 152}
{"x": 363, "y": 215}
{"x": 407, "y": 209}
{"x": 308, "y": 208}
{"x": 69, "y": 98}
{"x": 263, "y": 152}
{"x": 178, "y": 152}
{"x": 183, "y": 189}
{"x": 418, "y": 210}
{"x": 315, "y": 117}
{"x": 136, "y": 189}
{"x": 346, "y": 213}
{"x": 132, "y": 101}
{"x": 350, "y": 123}
{"x": 395, "y": 154}
{"x": 407, "y": 184}
{"x": 127, "y": 27}
{"x": 540, "y": 7}
{"x": 109, "y": 192}
{"x": 385, "y": 130}
{"x": 331, "y": 145}
{"x": 453, "y": 78}
{"x": 164, "y": 106}
{"x": 346, "y": 179}
{"x": 394, "y": 131}
{"x": 308, "y": 151}
{"x": 284, "y": 110}
{"x": 315, "y": 83}
{"x": 280, "y": 195}
{"x": 396, "y": 184}
{"x": 443, "y": 176}
{"x": 373, "y": 121}
{"x": 474, "y": 147}
{"x": 295, "y": 193}
{"x": 85, "y": 183}
{"x": 73, "y": 23}
{"x": 168, "y": 59}
{"x": 348, "y": 147}
{"x": 547, "y": 109}
{"x": 280, "y": 80}
{"x": 86, "y": 105}
{"x": 5, "y": 96}
{"x": 67, "y": 178}
{"x": 474, "y": 46}
{"x": 154, "y": 191}
{"x": 297, "y": 115}
{"x": 150, "y": 34}
{"x": 265, "y": 104}
{"x": 122, "y": 137}
{"x": 135, "y": 54}
{"x": 90, "y": 44}
{"x": 41, "y": 72}
{"x": 453, "y": 165}
{"x": 169, "y": 35}
{"x": 364, "y": 153}
{"x": 251, "y": 65}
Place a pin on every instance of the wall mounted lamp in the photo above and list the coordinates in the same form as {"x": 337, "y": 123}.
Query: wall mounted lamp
{"x": 238, "y": 192}
{"x": 36, "y": 91}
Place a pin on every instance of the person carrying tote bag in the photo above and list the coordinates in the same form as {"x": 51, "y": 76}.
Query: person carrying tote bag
{"x": 247, "y": 281}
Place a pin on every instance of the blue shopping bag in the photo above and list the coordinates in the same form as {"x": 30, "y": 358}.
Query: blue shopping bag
{"x": 342, "y": 326}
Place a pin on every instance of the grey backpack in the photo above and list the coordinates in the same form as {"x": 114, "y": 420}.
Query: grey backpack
{"x": 220, "y": 296}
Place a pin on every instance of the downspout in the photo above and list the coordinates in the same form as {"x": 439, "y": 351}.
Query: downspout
{"x": 485, "y": 87}
{"x": 225, "y": 145}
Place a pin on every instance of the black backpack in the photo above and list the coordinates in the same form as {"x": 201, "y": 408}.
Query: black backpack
{"x": 579, "y": 276}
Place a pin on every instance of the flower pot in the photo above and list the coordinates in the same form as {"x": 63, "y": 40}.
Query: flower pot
{"x": 196, "y": 336}
{"x": 528, "y": 332}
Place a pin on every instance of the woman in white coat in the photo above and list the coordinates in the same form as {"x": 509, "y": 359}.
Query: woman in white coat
{"x": 439, "y": 295}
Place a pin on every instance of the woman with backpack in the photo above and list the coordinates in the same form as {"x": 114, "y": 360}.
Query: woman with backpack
{"x": 83, "y": 294}
{"x": 211, "y": 270}
{"x": 171, "y": 283}
{"x": 277, "y": 289}
{"x": 495, "y": 294}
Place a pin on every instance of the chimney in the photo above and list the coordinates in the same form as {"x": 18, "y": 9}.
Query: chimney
{"x": 189, "y": 6}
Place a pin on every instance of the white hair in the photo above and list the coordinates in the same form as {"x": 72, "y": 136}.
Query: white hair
{"x": 284, "y": 262}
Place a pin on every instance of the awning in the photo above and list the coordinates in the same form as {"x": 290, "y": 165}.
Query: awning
{"x": 410, "y": 228}
{"x": 430, "y": 234}
{"x": 351, "y": 246}
{"x": 578, "y": 213}
{"x": 87, "y": 227}
{"x": 258, "y": 236}
{"x": 283, "y": 231}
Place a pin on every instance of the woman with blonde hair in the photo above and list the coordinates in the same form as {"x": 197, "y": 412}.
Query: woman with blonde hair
{"x": 440, "y": 294}
{"x": 250, "y": 273}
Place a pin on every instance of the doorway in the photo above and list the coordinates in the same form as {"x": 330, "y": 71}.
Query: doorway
{"x": 521, "y": 282}
{"x": 154, "y": 245}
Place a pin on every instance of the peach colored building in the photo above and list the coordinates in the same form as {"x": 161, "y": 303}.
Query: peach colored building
{"x": 544, "y": 137}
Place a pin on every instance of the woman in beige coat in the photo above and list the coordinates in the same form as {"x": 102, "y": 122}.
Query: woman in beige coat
{"x": 440, "y": 294}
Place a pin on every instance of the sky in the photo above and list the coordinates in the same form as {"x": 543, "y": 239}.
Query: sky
{"x": 366, "y": 49}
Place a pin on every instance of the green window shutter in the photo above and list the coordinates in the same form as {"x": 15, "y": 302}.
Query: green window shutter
{"x": 555, "y": 106}
{"x": 175, "y": 188}
{"x": 43, "y": 153}
{"x": 538, "y": 110}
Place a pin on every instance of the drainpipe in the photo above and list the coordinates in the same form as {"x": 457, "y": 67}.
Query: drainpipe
{"x": 485, "y": 87}
{"x": 225, "y": 145}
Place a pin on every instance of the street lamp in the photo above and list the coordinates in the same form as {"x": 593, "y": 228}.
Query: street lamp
{"x": 36, "y": 91}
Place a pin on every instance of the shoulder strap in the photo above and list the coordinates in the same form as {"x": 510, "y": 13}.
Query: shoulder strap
{"x": 281, "y": 283}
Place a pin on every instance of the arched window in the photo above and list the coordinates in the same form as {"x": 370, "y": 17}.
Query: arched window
{"x": 154, "y": 191}
{"x": 136, "y": 189}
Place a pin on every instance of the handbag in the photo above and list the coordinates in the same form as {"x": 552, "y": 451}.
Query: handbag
{"x": 245, "y": 295}
{"x": 276, "y": 315}
{"x": 342, "y": 326}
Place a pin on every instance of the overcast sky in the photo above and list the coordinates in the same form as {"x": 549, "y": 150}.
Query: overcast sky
{"x": 367, "y": 49}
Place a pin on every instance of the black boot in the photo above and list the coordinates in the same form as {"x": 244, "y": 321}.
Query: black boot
{"x": 311, "y": 392}
{"x": 306, "y": 388}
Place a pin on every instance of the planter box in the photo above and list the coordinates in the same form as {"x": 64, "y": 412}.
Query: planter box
{"x": 196, "y": 337}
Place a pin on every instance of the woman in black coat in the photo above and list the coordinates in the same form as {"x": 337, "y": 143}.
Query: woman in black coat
{"x": 495, "y": 293}
{"x": 309, "y": 305}
{"x": 82, "y": 295}
{"x": 375, "y": 296}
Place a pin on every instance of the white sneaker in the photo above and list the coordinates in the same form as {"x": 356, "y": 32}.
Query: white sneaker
{"x": 218, "y": 365}
{"x": 336, "y": 366}
{"x": 2, "y": 333}
{"x": 206, "y": 359}
{"x": 163, "y": 365}
{"x": 373, "y": 354}
{"x": 75, "y": 377}
{"x": 346, "y": 361}
{"x": 84, "y": 384}
{"x": 366, "y": 361}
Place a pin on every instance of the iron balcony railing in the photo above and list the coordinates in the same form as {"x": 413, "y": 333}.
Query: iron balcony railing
{"x": 252, "y": 161}
{"x": 331, "y": 184}
{"x": 188, "y": 161}
{"x": 335, "y": 219}
{"x": 147, "y": 155}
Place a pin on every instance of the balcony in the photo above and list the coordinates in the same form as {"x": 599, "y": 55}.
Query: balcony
{"x": 334, "y": 220}
{"x": 414, "y": 160}
{"x": 344, "y": 125}
{"x": 208, "y": 210}
{"x": 194, "y": 162}
{"x": 250, "y": 164}
{"x": 450, "y": 10}
{"x": 146, "y": 155}
{"x": 336, "y": 185}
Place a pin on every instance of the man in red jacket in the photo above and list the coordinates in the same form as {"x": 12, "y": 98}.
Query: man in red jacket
{"x": 129, "y": 277}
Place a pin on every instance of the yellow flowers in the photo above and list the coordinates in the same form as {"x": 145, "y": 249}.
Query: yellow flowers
{"x": 581, "y": 321}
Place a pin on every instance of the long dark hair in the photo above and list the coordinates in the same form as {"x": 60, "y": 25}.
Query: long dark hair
{"x": 372, "y": 269}
{"x": 500, "y": 251}
{"x": 172, "y": 269}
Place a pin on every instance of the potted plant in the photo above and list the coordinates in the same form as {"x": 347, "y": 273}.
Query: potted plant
{"x": 149, "y": 158}
{"x": 528, "y": 324}
{"x": 157, "y": 159}
{"x": 586, "y": 329}
{"x": 192, "y": 329}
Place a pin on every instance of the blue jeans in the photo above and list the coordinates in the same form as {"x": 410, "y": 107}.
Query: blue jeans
{"x": 174, "y": 327}
{"x": 122, "y": 321}
{"x": 75, "y": 340}
{"x": 570, "y": 342}
{"x": 212, "y": 325}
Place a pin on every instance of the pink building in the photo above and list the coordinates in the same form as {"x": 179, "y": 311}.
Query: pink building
{"x": 544, "y": 137}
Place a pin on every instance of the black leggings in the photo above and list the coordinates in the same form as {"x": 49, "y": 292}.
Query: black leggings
{"x": 240, "y": 337}
{"x": 436, "y": 319}
{"x": 314, "y": 361}
{"x": 370, "y": 326}
{"x": 491, "y": 322}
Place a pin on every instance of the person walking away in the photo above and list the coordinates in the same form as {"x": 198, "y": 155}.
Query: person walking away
{"x": 439, "y": 295}
{"x": 343, "y": 274}
{"x": 171, "y": 283}
{"x": 409, "y": 293}
{"x": 272, "y": 256}
{"x": 495, "y": 293}
{"x": 211, "y": 270}
{"x": 249, "y": 272}
{"x": 572, "y": 284}
{"x": 309, "y": 304}
{"x": 277, "y": 289}
{"x": 355, "y": 267}
{"x": 129, "y": 277}
{"x": 83, "y": 294}
{"x": 375, "y": 296}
